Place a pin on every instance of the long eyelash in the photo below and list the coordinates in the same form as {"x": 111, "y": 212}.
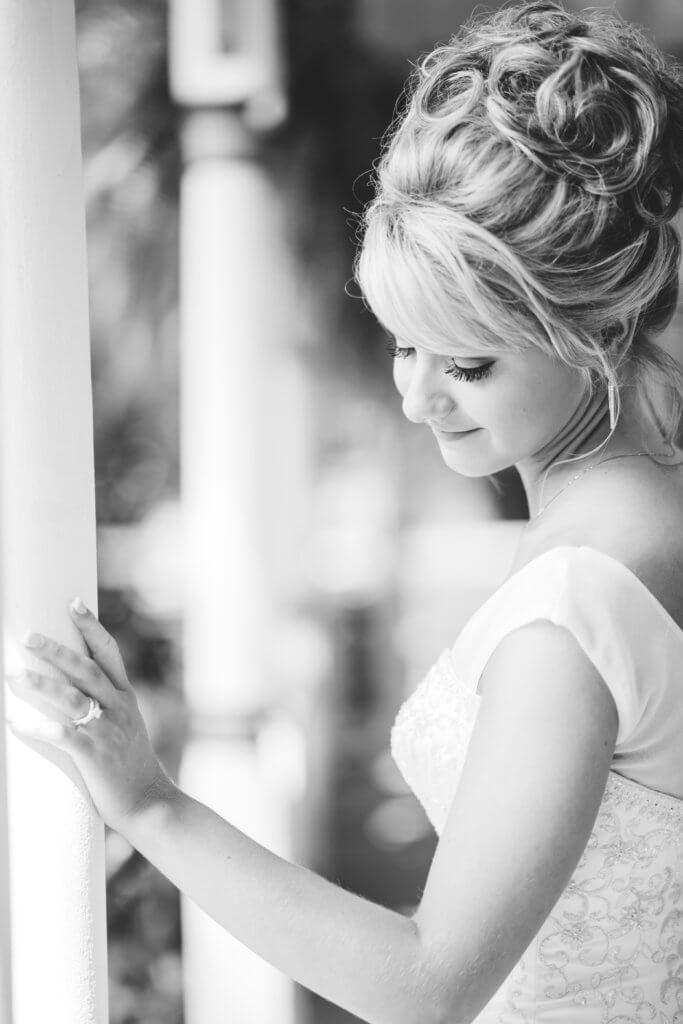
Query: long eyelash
{"x": 459, "y": 372}
{"x": 476, "y": 373}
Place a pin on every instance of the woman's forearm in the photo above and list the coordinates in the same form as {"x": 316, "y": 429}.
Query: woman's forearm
{"x": 355, "y": 953}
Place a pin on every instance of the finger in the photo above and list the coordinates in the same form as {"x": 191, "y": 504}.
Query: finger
{"x": 54, "y": 733}
{"x": 86, "y": 673}
{"x": 102, "y": 645}
{"x": 39, "y": 690}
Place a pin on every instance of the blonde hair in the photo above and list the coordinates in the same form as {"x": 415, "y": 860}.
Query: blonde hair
{"x": 526, "y": 192}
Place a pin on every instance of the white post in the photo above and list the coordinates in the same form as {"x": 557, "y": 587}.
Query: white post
{"x": 5, "y": 940}
{"x": 234, "y": 321}
{"x": 56, "y": 840}
{"x": 229, "y": 296}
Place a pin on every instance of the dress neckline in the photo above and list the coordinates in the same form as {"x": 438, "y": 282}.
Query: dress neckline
{"x": 666, "y": 615}
{"x": 655, "y": 797}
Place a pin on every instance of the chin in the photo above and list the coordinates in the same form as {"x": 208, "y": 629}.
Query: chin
{"x": 475, "y": 468}
{"x": 474, "y": 472}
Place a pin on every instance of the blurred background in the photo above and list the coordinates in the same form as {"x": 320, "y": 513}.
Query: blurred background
{"x": 368, "y": 553}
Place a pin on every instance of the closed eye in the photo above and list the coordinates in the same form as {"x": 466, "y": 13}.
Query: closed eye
{"x": 459, "y": 372}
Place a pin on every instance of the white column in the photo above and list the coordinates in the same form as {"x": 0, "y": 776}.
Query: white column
{"x": 235, "y": 319}
{"x": 234, "y": 311}
{"x": 56, "y": 841}
{"x": 5, "y": 941}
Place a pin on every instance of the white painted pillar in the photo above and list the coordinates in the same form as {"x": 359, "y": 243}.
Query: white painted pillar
{"x": 5, "y": 941}
{"x": 56, "y": 840}
{"x": 230, "y": 318}
{"x": 235, "y": 321}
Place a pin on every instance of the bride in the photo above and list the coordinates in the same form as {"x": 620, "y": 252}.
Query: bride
{"x": 520, "y": 251}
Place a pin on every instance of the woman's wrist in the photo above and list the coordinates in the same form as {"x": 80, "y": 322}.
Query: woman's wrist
{"x": 158, "y": 802}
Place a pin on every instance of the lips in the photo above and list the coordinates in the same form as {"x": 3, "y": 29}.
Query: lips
{"x": 441, "y": 430}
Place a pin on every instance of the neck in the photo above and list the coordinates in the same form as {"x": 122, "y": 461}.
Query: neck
{"x": 587, "y": 430}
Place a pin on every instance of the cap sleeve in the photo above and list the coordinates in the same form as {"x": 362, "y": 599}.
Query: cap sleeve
{"x": 610, "y": 612}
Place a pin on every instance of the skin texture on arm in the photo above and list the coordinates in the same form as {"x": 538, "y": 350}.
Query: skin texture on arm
{"x": 360, "y": 955}
{"x": 355, "y": 953}
{"x": 530, "y": 790}
{"x": 529, "y": 794}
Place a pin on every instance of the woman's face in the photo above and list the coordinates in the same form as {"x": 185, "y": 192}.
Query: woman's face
{"x": 517, "y": 409}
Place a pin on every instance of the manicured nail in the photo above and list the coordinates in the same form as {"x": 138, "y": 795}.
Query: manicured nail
{"x": 33, "y": 640}
{"x": 78, "y": 606}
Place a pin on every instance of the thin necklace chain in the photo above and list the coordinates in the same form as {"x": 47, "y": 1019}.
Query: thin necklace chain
{"x": 578, "y": 475}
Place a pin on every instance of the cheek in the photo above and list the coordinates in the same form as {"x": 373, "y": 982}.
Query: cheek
{"x": 554, "y": 397}
{"x": 401, "y": 375}
{"x": 507, "y": 405}
{"x": 536, "y": 403}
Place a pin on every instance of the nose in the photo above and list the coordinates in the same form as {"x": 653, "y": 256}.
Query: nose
{"x": 426, "y": 396}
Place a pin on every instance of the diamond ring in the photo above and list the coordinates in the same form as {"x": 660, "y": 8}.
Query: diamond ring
{"x": 94, "y": 711}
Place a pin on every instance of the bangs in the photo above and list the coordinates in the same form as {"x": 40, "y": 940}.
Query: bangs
{"x": 424, "y": 291}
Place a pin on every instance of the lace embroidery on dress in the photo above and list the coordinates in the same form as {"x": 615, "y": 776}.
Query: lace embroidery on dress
{"x": 430, "y": 734}
{"x": 614, "y": 940}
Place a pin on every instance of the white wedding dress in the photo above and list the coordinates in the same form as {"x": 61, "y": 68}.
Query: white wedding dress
{"x": 611, "y": 949}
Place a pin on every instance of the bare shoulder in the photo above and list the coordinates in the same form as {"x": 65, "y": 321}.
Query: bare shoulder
{"x": 633, "y": 513}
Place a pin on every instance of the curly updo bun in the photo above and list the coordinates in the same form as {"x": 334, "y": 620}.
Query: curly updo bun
{"x": 526, "y": 191}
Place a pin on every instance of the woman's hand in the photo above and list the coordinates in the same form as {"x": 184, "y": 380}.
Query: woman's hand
{"x": 112, "y": 752}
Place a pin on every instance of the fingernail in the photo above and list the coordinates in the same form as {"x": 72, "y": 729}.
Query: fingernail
{"x": 78, "y": 606}
{"x": 33, "y": 640}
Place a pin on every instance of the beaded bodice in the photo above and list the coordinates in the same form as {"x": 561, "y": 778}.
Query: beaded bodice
{"x": 611, "y": 949}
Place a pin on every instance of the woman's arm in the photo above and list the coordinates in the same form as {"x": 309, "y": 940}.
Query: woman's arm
{"x": 537, "y": 762}
{"x": 355, "y": 953}
{"x": 533, "y": 781}
{"x": 530, "y": 791}
{"x": 531, "y": 787}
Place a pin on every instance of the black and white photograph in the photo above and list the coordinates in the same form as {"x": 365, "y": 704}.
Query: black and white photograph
{"x": 341, "y": 511}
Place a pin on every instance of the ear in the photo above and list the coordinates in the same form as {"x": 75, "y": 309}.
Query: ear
{"x": 618, "y": 337}
{"x": 619, "y": 333}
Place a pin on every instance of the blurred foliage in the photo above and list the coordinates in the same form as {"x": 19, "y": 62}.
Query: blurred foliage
{"x": 132, "y": 173}
{"x": 342, "y": 97}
